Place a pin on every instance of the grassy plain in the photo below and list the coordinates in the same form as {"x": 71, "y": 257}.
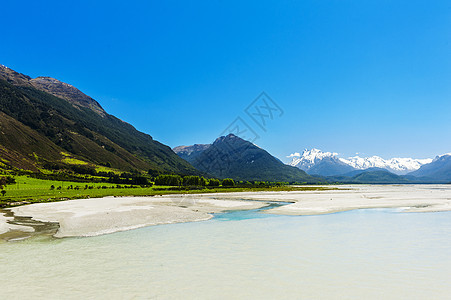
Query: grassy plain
{"x": 33, "y": 190}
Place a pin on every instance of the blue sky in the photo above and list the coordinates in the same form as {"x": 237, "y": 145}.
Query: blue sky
{"x": 372, "y": 77}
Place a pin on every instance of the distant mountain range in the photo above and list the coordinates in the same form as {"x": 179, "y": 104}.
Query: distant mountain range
{"x": 373, "y": 169}
{"x": 315, "y": 161}
{"x": 48, "y": 125}
{"x": 232, "y": 157}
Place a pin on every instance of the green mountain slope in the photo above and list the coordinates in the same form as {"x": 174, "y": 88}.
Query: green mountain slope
{"x": 20, "y": 146}
{"x": 379, "y": 177}
{"x": 232, "y": 157}
{"x": 370, "y": 176}
{"x": 80, "y": 129}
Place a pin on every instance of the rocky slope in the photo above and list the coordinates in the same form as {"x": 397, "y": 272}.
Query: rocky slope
{"x": 190, "y": 153}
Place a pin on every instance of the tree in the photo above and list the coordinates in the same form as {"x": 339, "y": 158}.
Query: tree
{"x": 191, "y": 180}
{"x": 2, "y": 182}
{"x": 140, "y": 180}
{"x": 173, "y": 180}
{"x": 153, "y": 173}
{"x": 194, "y": 181}
{"x": 228, "y": 182}
{"x": 214, "y": 182}
{"x": 10, "y": 180}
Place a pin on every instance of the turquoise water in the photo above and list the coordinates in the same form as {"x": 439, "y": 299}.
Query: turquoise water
{"x": 362, "y": 254}
{"x": 239, "y": 215}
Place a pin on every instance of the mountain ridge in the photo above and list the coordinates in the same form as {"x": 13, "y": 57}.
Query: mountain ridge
{"x": 438, "y": 170}
{"x": 52, "y": 86}
{"x": 231, "y": 156}
{"x": 74, "y": 127}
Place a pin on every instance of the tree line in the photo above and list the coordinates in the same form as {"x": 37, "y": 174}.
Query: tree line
{"x": 177, "y": 180}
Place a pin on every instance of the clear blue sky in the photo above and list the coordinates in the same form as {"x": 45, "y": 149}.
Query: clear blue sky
{"x": 351, "y": 76}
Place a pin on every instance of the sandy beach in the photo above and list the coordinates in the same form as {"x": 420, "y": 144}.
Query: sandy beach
{"x": 91, "y": 217}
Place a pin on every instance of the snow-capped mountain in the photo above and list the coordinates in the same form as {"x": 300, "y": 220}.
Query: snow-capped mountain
{"x": 396, "y": 165}
{"x": 309, "y": 158}
{"x": 315, "y": 161}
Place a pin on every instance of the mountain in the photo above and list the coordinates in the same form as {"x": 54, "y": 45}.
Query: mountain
{"x": 329, "y": 164}
{"x": 399, "y": 166}
{"x": 316, "y": 162}
{"x": 232, "y": 157}
{"x": 50, "y": 125}
{"x": 358, "y": 172}
{"x": 439, "y": 170}
{"x": 67, "y": 92}
{"x": 190, "y": 153}
{"x": 378, "y": 177}
{"x": 371, "y": 176}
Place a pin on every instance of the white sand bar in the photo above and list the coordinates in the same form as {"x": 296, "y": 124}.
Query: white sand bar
{"x": 90, "y": 217}
{"x": 408, "y": 198}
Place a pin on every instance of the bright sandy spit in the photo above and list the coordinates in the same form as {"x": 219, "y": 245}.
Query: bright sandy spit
{"x": 90, "y": 217}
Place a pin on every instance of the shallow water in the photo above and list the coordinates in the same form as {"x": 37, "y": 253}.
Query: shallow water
{"x": 362, "y": 254}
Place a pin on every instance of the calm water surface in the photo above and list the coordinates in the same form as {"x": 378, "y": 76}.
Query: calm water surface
{"x": 363, "y": 254}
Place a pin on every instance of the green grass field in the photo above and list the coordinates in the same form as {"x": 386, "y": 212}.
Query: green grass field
{"x": 28, "y": 189}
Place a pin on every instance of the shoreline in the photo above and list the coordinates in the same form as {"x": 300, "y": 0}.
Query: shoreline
{"x": 97, "y": 216}
{"x": 46, "y": 196}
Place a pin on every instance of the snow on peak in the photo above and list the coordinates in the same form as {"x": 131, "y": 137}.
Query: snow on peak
{"x": 441, "y": 156}
{"x": 397, "y": 165}
{"x": 315, "y": 154}
{"x": 309, "y": 158}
